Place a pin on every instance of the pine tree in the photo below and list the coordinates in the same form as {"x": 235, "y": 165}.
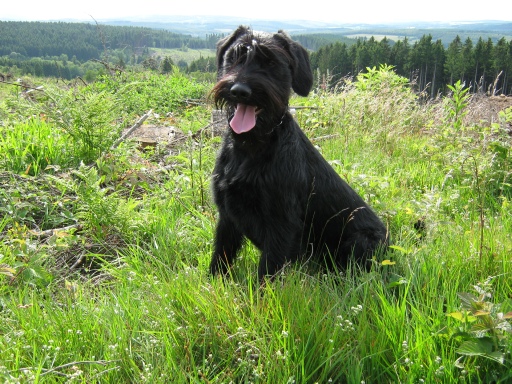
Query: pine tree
{"x": 399, "y": 56}
{"x": 454, "y": 65}
{"x": 438, "y": 55}
{"x": 167, "y": 65}
{"x": 502, "y": 57}
{"x": 468, "y": 60}
{"x": 481, "y": 56}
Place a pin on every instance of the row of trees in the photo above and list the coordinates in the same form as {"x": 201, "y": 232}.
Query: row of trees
{"x": 61, "y": 67}
{"x": 484, "y": 66}
{"x": 50, "y": 67}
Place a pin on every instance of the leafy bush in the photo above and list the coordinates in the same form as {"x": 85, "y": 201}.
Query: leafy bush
{"x": 484, "y": 330}
{"x": 90, "y": 119}
{"x": 380, "y": 104}
{"x": 479, "y": 157}
{"x": 456, "y": 104}
{"x": 100, "y": 210}
{"x": 383, "y": 79}
{"x": 22, "y": 263}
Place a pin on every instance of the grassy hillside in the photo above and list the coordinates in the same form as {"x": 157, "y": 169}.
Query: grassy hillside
{"x": 104, "y": 249}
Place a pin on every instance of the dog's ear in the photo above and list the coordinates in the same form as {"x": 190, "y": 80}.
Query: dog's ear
{"x": 302, "y": 76}
{"x": 225, "y": 43}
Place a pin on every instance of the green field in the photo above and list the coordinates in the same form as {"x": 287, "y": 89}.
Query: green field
{"x": 104, "y": 249}
{"x": 186, "y": 55}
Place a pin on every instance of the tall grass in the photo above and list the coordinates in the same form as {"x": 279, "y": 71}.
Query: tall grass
{"x": 128, "y": 298}
{"x": 29, "y": 147}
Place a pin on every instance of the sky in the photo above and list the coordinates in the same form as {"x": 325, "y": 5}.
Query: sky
{"x": 365, "y": 11}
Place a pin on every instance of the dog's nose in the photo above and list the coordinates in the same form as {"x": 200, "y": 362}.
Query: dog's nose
{"x": 240, "y": 91}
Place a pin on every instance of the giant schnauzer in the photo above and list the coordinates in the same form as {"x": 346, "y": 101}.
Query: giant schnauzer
{"x": 270, "y": 184}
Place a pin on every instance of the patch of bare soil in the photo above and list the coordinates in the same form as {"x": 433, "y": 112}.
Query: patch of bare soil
{"x": 150, "y": 135}
{"x": 486, "y": 109}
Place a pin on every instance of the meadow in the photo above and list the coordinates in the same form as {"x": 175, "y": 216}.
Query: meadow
{"x": 184, "y": 54}
{"x": 104, "y": 247}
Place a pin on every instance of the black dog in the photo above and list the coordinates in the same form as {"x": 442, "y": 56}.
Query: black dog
{"x": 270, "y": 184}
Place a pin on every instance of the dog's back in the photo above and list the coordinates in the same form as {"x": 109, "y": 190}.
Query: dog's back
{"x": 339, "y": 223}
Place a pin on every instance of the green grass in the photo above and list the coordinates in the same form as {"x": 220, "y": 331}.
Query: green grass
{"x": 121, "y": 294}
{"x": 186, "y": 55}
{"x": 30, "y": 147}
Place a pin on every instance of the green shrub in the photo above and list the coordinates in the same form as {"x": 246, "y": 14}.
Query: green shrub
{"x": 143, "y": 91}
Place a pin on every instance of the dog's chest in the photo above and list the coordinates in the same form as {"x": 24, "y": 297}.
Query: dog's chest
{"x": 243, "y": 182}
{"x": 245, "y": 186}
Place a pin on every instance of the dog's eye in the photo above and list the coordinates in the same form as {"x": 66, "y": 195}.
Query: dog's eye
{"x": 231, "y": 58}
{"x": 267, "y": 63}
{"x": 236, "y": 58}
{"x": 268, "y": 60}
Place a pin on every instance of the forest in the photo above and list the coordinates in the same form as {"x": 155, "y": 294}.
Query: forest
{"x": 88, "y": 41}
{"x": 70, "y": 50}
{"x": 484, "y": 66}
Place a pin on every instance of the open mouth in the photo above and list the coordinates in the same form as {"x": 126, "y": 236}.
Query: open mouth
{"x": 244, "y": 118}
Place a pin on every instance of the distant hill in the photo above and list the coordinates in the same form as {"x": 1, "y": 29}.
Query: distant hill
{"x": 446, "y": 31}
{"x": 203, "y": 25}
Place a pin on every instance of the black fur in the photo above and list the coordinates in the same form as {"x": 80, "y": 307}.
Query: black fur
{"x": 270, "y": 184}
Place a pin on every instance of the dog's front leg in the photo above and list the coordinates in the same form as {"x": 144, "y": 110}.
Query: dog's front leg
{"x": 228, "y": 241}
{"x": 279, "y": 248}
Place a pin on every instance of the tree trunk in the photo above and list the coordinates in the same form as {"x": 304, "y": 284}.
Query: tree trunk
{"x": 433, "y": 86}
{"x": 475, "y": 86}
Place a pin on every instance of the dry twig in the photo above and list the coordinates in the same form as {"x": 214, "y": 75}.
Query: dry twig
{"x": 51, "y": 232}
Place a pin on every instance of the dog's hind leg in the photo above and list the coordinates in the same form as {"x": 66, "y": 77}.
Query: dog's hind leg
{"x": 361, "y": 248}
{"x": 228, "y": 241}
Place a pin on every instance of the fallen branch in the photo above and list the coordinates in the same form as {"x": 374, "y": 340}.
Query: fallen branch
{"x": 200, "y": 131}
{"x": 132, "y": 128}
{"x": 78, "y": 262}
{"x": 110, "y": 68}
{"x": 51, "y": 232}
{"x": 27, "y": 87}
{"x": 194, "y": 102}
{"x": 494, "y": 89}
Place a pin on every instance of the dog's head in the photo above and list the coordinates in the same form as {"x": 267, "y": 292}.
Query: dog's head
{"x": 256, "y": 72}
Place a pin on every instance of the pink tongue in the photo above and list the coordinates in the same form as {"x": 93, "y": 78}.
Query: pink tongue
{"x": 244, "y": 119}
